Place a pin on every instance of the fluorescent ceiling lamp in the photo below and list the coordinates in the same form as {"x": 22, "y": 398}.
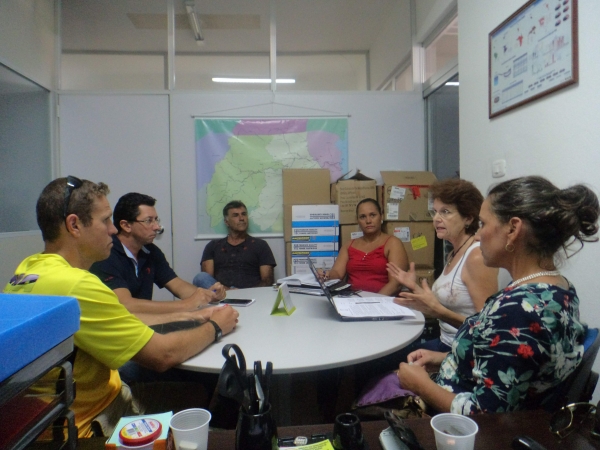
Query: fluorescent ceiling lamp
{"x": 253, "y": 80}
{"x": 452, "y": 83}
{"x": 194, "y": 21}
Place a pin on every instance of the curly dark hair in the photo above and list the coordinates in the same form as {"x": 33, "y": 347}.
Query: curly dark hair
{"x": 50, "y": 207}
{"x": 128, "y": 207}
{"x": 555, "y": 218}
{"x": 464, "y": 195}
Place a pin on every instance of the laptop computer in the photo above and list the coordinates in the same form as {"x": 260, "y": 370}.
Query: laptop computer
{"x": 374, "y": 308}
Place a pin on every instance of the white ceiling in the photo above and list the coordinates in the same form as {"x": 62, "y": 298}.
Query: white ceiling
{"x": 229, "y": 26}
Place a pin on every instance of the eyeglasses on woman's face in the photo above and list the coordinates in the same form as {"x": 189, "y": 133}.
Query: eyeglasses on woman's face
{"x": 444, "y": 213}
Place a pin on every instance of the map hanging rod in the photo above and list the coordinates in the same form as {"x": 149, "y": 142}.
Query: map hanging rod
{"x": 330, "y": 113}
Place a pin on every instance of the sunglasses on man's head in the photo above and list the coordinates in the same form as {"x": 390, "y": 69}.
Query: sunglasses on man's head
{"x": 72, "y": 184}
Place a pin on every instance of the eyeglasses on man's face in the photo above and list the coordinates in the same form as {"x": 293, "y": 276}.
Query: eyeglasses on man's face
{"x": 148, "y": 221}
{"x": 444, "y": 213}
{"x": 72, "y": 184}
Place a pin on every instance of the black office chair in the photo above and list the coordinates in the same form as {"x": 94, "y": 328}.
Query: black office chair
{"x": 580, "y": 385}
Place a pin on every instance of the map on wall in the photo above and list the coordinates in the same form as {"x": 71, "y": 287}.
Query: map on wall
{"x": 242, "y": 159}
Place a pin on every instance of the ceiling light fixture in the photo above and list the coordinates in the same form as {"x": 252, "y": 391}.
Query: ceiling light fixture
{"x": 254, "y": 80}
{"x": 452, "y": 83}
{"x": 194, "y": 21}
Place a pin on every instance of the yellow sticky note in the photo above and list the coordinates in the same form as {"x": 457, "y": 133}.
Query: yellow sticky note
{"x": 418, "y": 242}
{"x": 323, "y": 445}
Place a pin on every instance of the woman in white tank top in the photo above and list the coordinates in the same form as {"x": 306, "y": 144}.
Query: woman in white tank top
{"x": 461, "y": 290}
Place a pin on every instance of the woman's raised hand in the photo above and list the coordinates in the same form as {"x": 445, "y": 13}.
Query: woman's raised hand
{"x": 408, "y": 279}
{"x": 420, "y": 299}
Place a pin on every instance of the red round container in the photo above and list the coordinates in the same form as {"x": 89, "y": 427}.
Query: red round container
{"x": 140, "y": 432}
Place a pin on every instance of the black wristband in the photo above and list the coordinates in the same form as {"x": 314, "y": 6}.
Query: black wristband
{"x": 218, "y": 331}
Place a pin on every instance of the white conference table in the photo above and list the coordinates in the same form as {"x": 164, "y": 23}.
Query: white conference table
{"x": 312, "y": 338}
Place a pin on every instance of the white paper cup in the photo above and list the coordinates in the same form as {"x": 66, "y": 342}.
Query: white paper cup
{"x": 190, "y": 429}
{"x": 454, "y": 432}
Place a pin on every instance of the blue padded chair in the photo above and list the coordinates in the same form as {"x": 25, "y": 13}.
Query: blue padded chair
{"x": 580, "y": 385}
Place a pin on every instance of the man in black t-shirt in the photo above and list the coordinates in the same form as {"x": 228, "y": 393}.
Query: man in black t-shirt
{"x": 238, "y": 260}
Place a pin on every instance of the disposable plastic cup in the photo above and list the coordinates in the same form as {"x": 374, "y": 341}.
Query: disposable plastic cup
{"x": 190, "y": 429}
{"x": 454, "y": 432}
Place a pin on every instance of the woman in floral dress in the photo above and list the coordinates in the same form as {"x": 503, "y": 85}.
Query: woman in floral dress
{"x": 528, "y": 338}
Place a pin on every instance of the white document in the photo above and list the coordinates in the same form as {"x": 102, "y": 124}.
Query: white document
{"x": 392, "y": 211}
{"x": 402, "y": 233}
{"x": 398, "y": 192}
{"x": 371, "y": 307}
{"x": 304, "y": 279}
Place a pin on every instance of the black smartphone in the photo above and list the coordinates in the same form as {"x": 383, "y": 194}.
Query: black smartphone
{"x": 238, "y": 301}
{"x": 402, "y": 431}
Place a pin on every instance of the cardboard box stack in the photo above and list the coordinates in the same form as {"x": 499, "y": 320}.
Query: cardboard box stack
{"x": 315, "y": 233}
{"x": 311, "y": 224}
{"x": 406, "y": 196}
{"x": 346, "y": 194}
{"x": 406, "y": 202}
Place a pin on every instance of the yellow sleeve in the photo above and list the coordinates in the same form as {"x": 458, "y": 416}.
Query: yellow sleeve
{"x": 107, "y": 330}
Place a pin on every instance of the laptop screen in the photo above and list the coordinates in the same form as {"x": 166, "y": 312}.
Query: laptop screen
{"x": 319, "y": 280}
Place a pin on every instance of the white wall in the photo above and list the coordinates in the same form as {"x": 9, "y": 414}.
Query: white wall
{"x": 125, "y": 141}
{"x": 388, "y": 126}
{"x": 556, "y": 136}
{"x": 27, "y": 38}
{"x": 122, "y": 140}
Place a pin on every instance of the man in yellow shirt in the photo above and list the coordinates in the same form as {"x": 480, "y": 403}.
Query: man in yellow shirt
{"x": 75, "y": 219}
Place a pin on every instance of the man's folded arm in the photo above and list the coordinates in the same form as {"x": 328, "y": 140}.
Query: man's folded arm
{"x": 164, "y": 351}
{"x": 138, "y": 306}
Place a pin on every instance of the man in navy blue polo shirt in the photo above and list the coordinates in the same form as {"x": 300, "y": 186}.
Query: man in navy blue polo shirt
{"x": 136, "y": 264}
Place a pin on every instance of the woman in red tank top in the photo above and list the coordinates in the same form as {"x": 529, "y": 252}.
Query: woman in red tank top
{"x": 364, "y": 259}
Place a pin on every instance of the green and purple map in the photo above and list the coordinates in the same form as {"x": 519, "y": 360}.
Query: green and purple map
{"x": 242, "y": 159}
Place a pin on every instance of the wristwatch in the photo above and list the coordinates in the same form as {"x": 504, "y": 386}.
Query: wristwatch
{"x": 218, "y": 331}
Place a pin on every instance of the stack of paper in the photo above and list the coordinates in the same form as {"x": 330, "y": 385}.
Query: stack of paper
{"x": 304, "y": 279}
{"x": 371, "y": 307}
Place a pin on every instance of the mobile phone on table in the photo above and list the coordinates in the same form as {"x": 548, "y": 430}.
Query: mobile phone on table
{"x": 389, "y": 440}
{"x": 238, "y": 301}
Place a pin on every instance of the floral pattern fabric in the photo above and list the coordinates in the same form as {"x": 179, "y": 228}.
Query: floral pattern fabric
{"x": 524, "y": 341}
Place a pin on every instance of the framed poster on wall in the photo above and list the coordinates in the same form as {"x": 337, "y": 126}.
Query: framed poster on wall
{"x": 532, "y": 53}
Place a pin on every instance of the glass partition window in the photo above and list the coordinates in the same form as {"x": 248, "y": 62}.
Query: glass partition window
{"x": 114, "y": 45}
{"x": 443, "y": 132}
{"x": 442, "y": 50}
{"x": 25, "y": 150}
{"x": 404, "y": 81}
{"x": 124, "y": 45}
{"x": 229, "y": 40}
{"x": 331, "y": 72}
